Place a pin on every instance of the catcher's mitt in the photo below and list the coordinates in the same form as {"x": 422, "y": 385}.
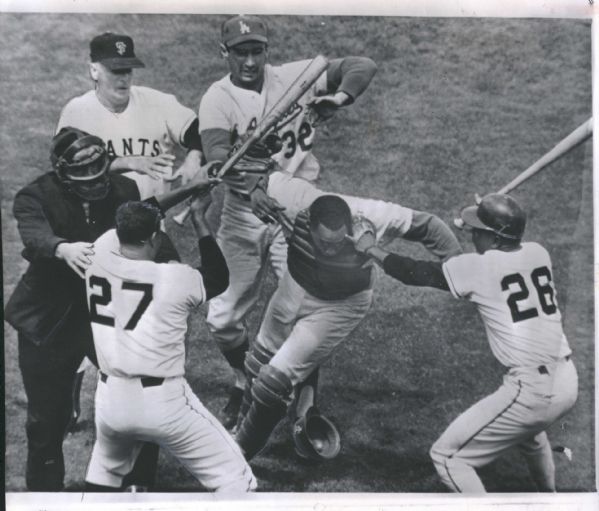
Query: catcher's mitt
{"x": 256, "y": 163}
{"x": 316, "y": 437}
{"x": 257, "y": 159}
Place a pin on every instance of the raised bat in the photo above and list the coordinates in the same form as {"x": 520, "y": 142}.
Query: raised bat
{"x": 285, "y": 106}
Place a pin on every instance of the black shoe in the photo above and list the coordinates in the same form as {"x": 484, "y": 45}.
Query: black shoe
{"x": 231, "y": 410}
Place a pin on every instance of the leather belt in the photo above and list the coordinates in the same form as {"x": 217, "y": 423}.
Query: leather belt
{"x": 146, "y": 381}
{"x": 544, "y": 370}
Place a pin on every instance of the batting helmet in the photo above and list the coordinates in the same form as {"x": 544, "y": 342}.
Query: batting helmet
{"x": 316, "y": 437}
{"x": 498, "y": 213}
{"x": 81, "y": 163}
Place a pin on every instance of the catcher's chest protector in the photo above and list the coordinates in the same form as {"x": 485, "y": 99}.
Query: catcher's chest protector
{"x": 327, "y": 278}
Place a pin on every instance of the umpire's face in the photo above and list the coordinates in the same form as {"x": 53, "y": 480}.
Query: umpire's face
{"x": 246, "y": 63}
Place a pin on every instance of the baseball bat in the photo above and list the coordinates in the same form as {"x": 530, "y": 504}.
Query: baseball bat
{"x": 579, "y": 135}
{"x": 284, "y": 105}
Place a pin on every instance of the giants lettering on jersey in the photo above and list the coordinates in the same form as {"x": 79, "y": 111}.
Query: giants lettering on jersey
{"x": 133, "y": 147}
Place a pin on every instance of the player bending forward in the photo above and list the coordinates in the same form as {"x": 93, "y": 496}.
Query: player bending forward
{"x": 139, "y": 311}
{"x": 511, "y": 284}
{"x": 323, "y": 296}
{"x": 233, "y": 106}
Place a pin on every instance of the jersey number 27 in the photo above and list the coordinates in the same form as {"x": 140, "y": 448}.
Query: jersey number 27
{"x": 105, "y": 297}
{"x": 541, "y": 280}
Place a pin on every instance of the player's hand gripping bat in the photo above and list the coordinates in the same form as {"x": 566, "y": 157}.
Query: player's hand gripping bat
{"x": 579, "y": 135}
{"x": 284, "y": 107}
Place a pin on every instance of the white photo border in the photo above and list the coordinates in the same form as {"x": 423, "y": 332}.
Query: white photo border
{"x": 577, "y": 9}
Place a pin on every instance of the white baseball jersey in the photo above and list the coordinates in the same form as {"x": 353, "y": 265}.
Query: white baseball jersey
{"x": 152, "y": 123}
{"x": 295, "y": 194}
{"x": 228, "y": 107}
{"x": 517, "y": 300}
{"x": 139, "y": 311}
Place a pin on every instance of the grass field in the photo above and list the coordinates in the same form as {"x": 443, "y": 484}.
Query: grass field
{"x": 458, "y": 106}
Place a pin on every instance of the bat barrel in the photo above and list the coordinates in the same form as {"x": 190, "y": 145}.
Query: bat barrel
{"x": 565, "y": 145}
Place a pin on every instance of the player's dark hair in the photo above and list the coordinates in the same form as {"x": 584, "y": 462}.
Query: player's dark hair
{"x": 507, "y": 244}
{"x": 136, "y": 222}
{"x": 332, "y": 212}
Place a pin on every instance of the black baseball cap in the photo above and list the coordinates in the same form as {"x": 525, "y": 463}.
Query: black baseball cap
{"x": 242, "y": 28}
{"x": 114, "y": 51}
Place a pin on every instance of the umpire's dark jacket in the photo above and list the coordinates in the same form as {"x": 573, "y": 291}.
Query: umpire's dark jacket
{"x": 50, "y": 294}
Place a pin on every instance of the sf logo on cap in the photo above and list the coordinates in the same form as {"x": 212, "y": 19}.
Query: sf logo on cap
{"x": 243, "y": 28}
{"x": 121, "y": 47}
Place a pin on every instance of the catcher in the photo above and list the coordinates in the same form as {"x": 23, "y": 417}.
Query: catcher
{"x": 235, "y": 105}
{"x": 320, "y": 299}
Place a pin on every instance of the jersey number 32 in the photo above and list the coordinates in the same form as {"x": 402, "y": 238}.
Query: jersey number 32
{"x": 541, "y": 280}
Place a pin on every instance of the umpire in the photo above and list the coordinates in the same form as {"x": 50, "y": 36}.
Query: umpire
{"x": 59, "y": 215}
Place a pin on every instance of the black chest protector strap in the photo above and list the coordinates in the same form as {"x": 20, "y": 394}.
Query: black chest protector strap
{"x": 327, "y": 278}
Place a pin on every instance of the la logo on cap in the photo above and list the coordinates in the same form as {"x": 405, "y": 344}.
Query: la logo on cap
{"x": 121, "y": 47}
{"x": 243, "y": 28}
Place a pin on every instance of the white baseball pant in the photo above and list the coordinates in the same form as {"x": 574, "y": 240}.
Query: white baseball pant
{"x": 170, "y": 415}
{"x": 303, "y": 330}
{"x": 247, "y": 243}
{"x": 528, "y": 401}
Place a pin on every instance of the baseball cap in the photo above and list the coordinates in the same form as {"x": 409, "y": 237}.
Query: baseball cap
{"x": 242, "y": 28}
{"x": 114, "y": 51}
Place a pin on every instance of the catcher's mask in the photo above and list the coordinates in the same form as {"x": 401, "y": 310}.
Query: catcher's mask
{"x": 81, "y": 163}
{"x": 316, "y": 437}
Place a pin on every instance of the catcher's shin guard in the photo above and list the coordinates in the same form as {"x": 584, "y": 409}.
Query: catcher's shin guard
{"x": 270, "y": 393}
{"x": 316, "y": 437}
{"x": 256, "y": 358}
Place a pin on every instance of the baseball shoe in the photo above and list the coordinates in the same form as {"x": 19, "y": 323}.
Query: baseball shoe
{"x": 231, "y": 410}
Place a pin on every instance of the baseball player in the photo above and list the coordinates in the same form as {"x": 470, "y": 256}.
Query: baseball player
{"x": 325, "y": 293}
{"x": 140, "y": 126}
{"x": 229, "y": 110}
{"x": 59, "y": 215}
{"x": 511, "y": 283}
{"x": 139, "y": 311}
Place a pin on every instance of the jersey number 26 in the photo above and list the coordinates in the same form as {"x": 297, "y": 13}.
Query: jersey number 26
{"x": 541, "y": 280}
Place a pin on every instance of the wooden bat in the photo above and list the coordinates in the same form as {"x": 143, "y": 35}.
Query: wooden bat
{"x": 285, "y": 106}
{"x": 579, "y": 135}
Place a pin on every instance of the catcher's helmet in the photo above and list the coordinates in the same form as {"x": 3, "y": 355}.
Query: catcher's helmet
{"x": 498, "y": 213}
{"x": 316, "y": 437}
{"x": 81, "y": 163}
